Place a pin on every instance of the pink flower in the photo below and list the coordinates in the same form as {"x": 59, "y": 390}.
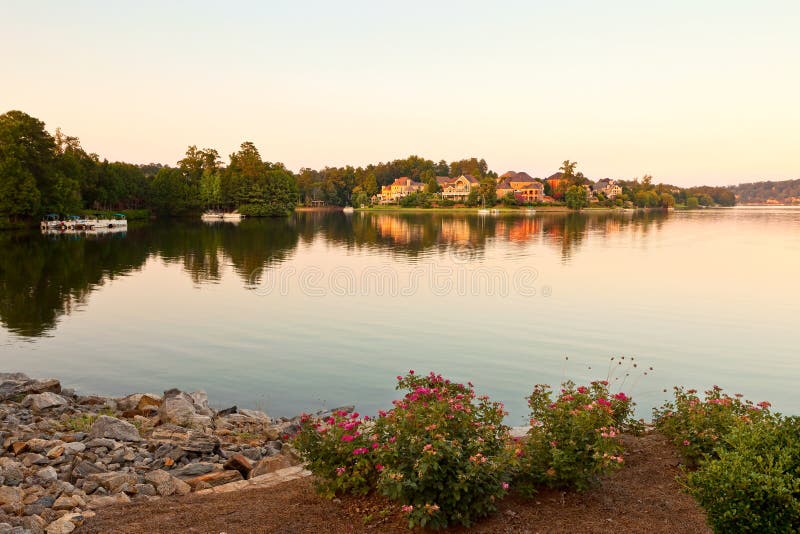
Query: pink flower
{"x": 407, "y": 508}
{"x": 379, "y": 467}
{"x": 505, "y": 485}
{"x": 621, "y": 396}
{"x": 340, "y": 471}
{"x": 347, "y": 437}
{"x": 399, "y": 377}
{"x": 686, "y": 442}
{"x": 360, "y": 450}
{"x": 411, "y": 371}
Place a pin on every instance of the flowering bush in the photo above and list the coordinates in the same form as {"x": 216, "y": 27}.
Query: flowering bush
{"x": 444, "y": 452}
{"x": 697, "y": 425}
{"x": 340, "y": 452}
{"x": 573, "y": 438}
{"x": 752, "y": 483}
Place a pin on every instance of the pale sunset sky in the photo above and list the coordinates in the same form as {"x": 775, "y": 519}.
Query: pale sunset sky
{"x": 692, "y": 92}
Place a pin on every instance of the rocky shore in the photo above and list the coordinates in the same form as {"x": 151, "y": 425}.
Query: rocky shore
{"x": 64, "y": 455}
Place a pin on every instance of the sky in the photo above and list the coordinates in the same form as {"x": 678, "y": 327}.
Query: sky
{"x": 689, "y": 92}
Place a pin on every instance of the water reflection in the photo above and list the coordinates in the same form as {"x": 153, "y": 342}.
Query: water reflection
{"x": 44, "y": 277}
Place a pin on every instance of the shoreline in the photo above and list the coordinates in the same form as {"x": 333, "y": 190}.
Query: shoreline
{"x": 66, "y": 455}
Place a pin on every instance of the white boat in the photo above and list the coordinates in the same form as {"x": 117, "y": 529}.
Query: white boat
{"x": 348, "y": 209}
{"x": 530, "y": 211}
{"x": 483, "y": 211}
{"x": 222, "y": 216}
{"x": 494, "y": 211}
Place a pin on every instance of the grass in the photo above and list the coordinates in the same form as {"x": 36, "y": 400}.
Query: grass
{"x": 83, "y": 422}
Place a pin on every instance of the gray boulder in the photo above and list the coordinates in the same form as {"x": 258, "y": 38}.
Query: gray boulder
{"x": 113, "y": 428}
{"x": 42, "y": 401}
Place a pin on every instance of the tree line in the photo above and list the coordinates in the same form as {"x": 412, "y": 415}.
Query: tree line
{"x": 42, "y": 173}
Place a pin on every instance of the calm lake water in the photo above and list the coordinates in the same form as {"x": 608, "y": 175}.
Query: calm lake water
{"x": 324, "y": 309}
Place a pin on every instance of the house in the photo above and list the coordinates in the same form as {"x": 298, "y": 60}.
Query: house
{"x": 398, "y": 189}
{"x": 521, "y": 185}
{"x": 458, "y": 188}
{"x": 558, "y": 184}
{"x": 610, "y": 188}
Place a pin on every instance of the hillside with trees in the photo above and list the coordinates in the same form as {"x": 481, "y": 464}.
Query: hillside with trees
{"x": 781, "y": 192}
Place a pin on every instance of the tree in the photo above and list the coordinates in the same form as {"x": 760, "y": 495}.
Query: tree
{"x": 568, "y": 168}
{"x": 576, "y": 197}
{"x": 667, "y": 200}
{"x": 692, "y": 203}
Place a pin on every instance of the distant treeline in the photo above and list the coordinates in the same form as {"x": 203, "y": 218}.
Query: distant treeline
{"x": 785, "y": 192}
{"x": 42, "y": 173}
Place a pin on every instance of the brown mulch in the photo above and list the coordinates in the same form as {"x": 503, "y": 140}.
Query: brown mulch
{"x": 642, "y": 497}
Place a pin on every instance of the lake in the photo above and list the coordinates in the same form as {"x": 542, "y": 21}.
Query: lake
{"x": 326, "y": 308}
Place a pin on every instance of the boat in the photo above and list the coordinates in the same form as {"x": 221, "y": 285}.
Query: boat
{"x": 54, "y": 223}
{"x": 483, "y": 211}
{"x": 530, "y": 211}
{"x": 222, "y": 216}
{"x": 348, "y": 209}
{"x": 495, "y": 211}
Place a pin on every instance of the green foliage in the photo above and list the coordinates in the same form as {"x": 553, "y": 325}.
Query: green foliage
{"x": 339, "y": 452}
{"x": 444, "y": 452}
{"x": 576, "y": 197}
{"x": 759, "y": 192}
{"x": 692, "y": 203}
{"x": 697, "y": 426}
{"x": 416, "y": 200}
{"x": 573, "y": 437}
{"x": 753, "y": 482}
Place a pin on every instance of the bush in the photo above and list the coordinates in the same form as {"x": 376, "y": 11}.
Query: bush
{"x": 697, "y": 425}
{"x": 753, "y": 485}
{"x": 265, "y": 210}
{"x": 339, "y": 453}
{"x": 445, "y": 452}
{"x": 573, "y": 439}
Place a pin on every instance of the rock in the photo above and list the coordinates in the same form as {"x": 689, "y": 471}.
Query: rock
{"x": 96, "y": 443}
{"x": 100, "y": 502}
{"x": 166, "y": 484}
{"x": 255, "y": 415}
{"x": 193, "y": 470}
{"x": 74, "y": 448}
{"x": 56, "y": 452}
{"x": 179, "y": 408}
{"x": 115, "y": 482}
{"x": 227, "y": 411}
{"x": 272, "y": 464}
{"x": 47, "y": 474}
{"x": 19, "y": 447}
{"x": 145, "y": 489}
{"x": 12, "y": 475}
{"x": 240, "y": 463}
{"x": 34, "y": 524}
{"x": 86, "y": 468}
{"x": 113, "y": 428}
{"x": 64, "y": 503}
{"x": 186, "y": 439}
{"x": 9, "y": 495}
{"x": 61, "y": 526}
{"x": 216, "y": 478}
{"x": 5, "y": 528}
{"x": 46, "y": 501}
{"x": 15, "y": 384}
{"x": 42, "y": 401}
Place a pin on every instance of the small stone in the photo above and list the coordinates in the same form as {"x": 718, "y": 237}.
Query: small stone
{"x": 74, "y": 448}
{"x": 100, "y": 502}
{"x": 56, "y": 452}
{"x": 115, "y": 482}
{"x": 46, "y": 501}
{"x": 64, "y": 503}
{"x": 113, "y": 428}
{"x": 145, "y": 489}
{"x": 193, "y": 470}
{"x": 9, "y": 495}
{"x": 47, "y": 474}
{"x": 166, "y": 484}
{"x": 240, "y": 463}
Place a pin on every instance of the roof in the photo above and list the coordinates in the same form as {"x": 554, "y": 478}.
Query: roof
{"x": 556, "y": 176}
{"x": 470, "y": 178}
